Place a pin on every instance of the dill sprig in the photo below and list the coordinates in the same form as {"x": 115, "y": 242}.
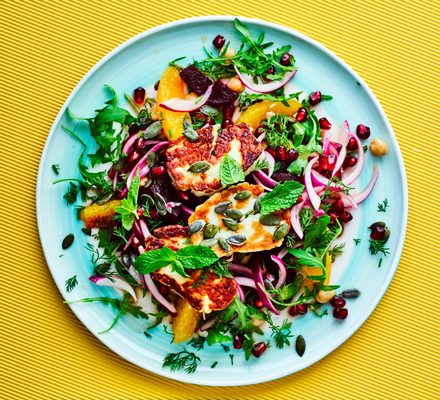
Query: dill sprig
{"x": 378, "y": 246}
{"x": 183, "y": 360}
{"x": 281, "y": 334}
{"x": 382, "y": 207}
{"x": 71, "y": 283}
{"x": 71, "y": 194}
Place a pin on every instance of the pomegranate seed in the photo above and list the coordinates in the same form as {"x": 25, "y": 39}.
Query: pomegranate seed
{"x": 340, "y": 313}
{"x": 326, "y": 164}
{"x": 363, "y": 131}
{"x": 352, "y": 145}
{"x": 286, "y": 59}
{"x": 292, "y": 155}
{"x": 315, "y": 98}
{"x": 226, "y": 123}
{"x": 259, "y": 349}
{"x": 237, "y": 340}
{"x": 111, "y": 173}
{"x": 377, "y": 233}
{"x": 163, "y": 290}
{"x": 134, "y": 128}
{"x": 350, "y": 161}
{"x": 324, "y": 123}
{"x": 302, "y": 114}
{"x": 157, "y": 172}
{"x": 133, "y": 158}
{"x": 135, "y": 242}
{"x": 183, "y": 195}
{"x": 139, "y": 95}
{"x": 270, "y": 71}
{"x": 228, "y": 112}
{"x": 280, "y": 152}
{"x": 121, "y": 193}
{"x": 302, "y": 309}
{"x": 346, "y": 217}
{"x": 337, "y": 302}
{"x": 272, "y": 152}
{"x": 293, "y": 311}
{"x": 139, "y": 144}
{"x": 141, "y": 212}
{"x": 258, "y": 304}
{"x": 219, "y": 41}
{"x": 154, "y": 214}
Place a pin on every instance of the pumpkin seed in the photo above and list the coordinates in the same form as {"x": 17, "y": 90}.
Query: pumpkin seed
{"x": 208, "y": 242}
{"x": 236, "y": 240}
{"x": 210, "y": 231}
{"x": 350, "y": 294}
{"x": 67, "y": 241}
{"x": 196, "y": 226}
{"x": 280, "y": 232}
{"x": 224, "y": 245}
{"x": 257, "y": 207}
{"x": 125, "y": 258}
{"x": 87, "y": 231}
{"x": 189, "y": 131}
{"x": 152, "y": 159}
{"x": 269, "y": 220}
{"x": 220, "y": 208}
{"x": 234, "y": 214}
{"x": 210, "y": 111}
{"x": 199, "y": 167}
{"x": 153, "y": 130}
{"x": 230, "y": 223}
{"x": 300, "y": 345}
{"x": 146, "y": 200}
{"x": 161, "y": 204}
{"x": 243, "y": 195}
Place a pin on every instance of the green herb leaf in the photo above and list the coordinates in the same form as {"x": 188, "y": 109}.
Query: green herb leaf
{"x": 382, "y": 207}
{"x": 231, "y": 171}
{"x": 183, "y": 360}
{"x": 195, "y": 257}
{"x": 71, "y": 194}
{"x": 71, "y": 283}
{"x": 217, "y": 337}
{"x": 128, "y": 207}
{"x": 153, "y": 260}
{"x": 283, "y": 196}
{"x": 315, "y": 231}
{"x": 305, "y": 258}
{"x": 56, "y": 169}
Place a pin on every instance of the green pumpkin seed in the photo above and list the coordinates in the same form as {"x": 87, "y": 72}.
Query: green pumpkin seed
{"x": 196, "y": 226}
{"x": 280, "y": 232}
{"x": 220, "y": 208}
{"x": 234, "y": 214}
{"x": 350, "y": 294}
{"x": 152, "y": 159}
{"x": 67, "y": 241}
{"x": 300, "y": 345}
{"x": 161, "y": 204}
{"x": 269, "y": 220}
{"x": 236, "y": 240}
{"x": 199, "y": 167}
{"x": 210, "y": 231}
{"x": 189, "y": 131}
{"x": 224, "y": 245}
{"x": 153, "y": 130}
{"x": 257, "y": 207}
{"x": 87, "y": 231}
{"x": 230, "y": 223}
{"x": 243, "y": 195}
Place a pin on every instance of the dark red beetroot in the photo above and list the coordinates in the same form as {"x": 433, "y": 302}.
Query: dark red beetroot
{"x": 219, "y": 41}
{"x": 315, "y": 98}
{"x": 259, "y": 349}
{"x": 237, "y": 340}
{"x": 139, "y": 95}
{"x": 228, "y": 112}
{"x": 363, "y": 131}
{"x": 195, "y": 79}
{"x": 337, "y": 302}
{"x": 221, "y": 95}
{"x": 340, "y": 313}
{"x": 324, "y": 123}
{"x": 227, "y": 122}
{"x": 302, "y": 114}
{"x": 283, "y": 176}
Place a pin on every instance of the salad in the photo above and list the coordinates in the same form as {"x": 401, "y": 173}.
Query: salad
{"x": 216, "y": 202}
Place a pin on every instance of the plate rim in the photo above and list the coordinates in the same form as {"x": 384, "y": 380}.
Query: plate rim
{"x": 194, "y": 379}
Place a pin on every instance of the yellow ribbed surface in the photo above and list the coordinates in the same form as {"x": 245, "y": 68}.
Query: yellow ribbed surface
{"x": 47, "y": 46}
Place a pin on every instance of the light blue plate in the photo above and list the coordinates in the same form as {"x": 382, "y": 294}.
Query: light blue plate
{"x": 140, "y": 62}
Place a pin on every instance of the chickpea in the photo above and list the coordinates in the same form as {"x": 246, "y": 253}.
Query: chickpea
{"x": 324, "y": 297}
{"x": 378, "y": 147}
{"x": 153, "y": 111}
{"x": 230, "y": 52}
{"x": 235, "y": 85}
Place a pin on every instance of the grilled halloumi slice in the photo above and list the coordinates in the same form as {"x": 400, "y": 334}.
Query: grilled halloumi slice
{"x": 238, "y": 141}
{"x": 205, "y": 292}
{"x": 258, "y": 237}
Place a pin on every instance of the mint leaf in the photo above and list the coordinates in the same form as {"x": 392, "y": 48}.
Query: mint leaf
{"x": 231, "y": 171}
{"x": 128, "y": 207}
{"x": 283, "y": 196}
{"x": 153, "y": 260}
{"x": 195, "y": 257}
{"x": 305, "y": 258}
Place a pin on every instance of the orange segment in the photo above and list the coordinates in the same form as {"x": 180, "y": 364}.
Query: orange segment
{"x": 185, "y": 323}
{"x": 257, "y": 112}
{"x": 171, "y": 86}
{"x": 315, "y": 271}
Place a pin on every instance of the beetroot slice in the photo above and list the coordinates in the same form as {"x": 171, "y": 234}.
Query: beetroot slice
{"x": 197, "y": 81}
{"x": 221, "y": 95}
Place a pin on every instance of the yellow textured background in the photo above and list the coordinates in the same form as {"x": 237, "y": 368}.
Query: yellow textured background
{"x": 46, "y": 47}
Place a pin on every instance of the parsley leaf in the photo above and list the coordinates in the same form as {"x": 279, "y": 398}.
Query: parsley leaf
{"x": 71, "y": 194}
{"x": 283, "y": 196}
{"x": 231, "y": 171}
{"x": 315, "y": 231}
{"x": 128, "y": 207}
{"x": 246, "y": 99}
{"x": 305, "y": 258}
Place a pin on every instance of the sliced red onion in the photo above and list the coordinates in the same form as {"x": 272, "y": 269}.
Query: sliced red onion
{"x": 271, "y": 161}
{"x": 326, "y": 142}
{"x": 144, "y": 228}
{"x": 283, "y": 272}
{"x": 261, "y": 137}
{"x": 341, "y": 156}
{"x": 157, "y": 295}
{"x": 151, "y": 142}
{"x": 127, "y": 245}
{"x": 138, "y": 231}
{"x": 321, "y": 180}
{"x": 314, "y": 198}
{"x": 240, "y": 293}
{"x": 264, "y": 179}
{"x": 208, "y": 324}
{"x": 354, "y": 173}
{"x": 115, "y": 282}
{"x": 187, "y": 105}
{"x": 241, "y": 269}
{"x": 188, "y": 210}
{"x": 318, "y": 213}
{"x": 360, "y": 197}
{"x": 172, "y": 204}
{"x": 294, "y": 219}
{"x": 283, "y": 253}
{"x": 135, "y": 274}
{"x": 259, "y": 283}
{"x": 242, "y": 281}
{"x": 267, "y": 189}
{"x": 129, "y": 142}
{"x": 349, "y": 201}
{"x": 264, "y": 87}
{"x": 236, "y": 115}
